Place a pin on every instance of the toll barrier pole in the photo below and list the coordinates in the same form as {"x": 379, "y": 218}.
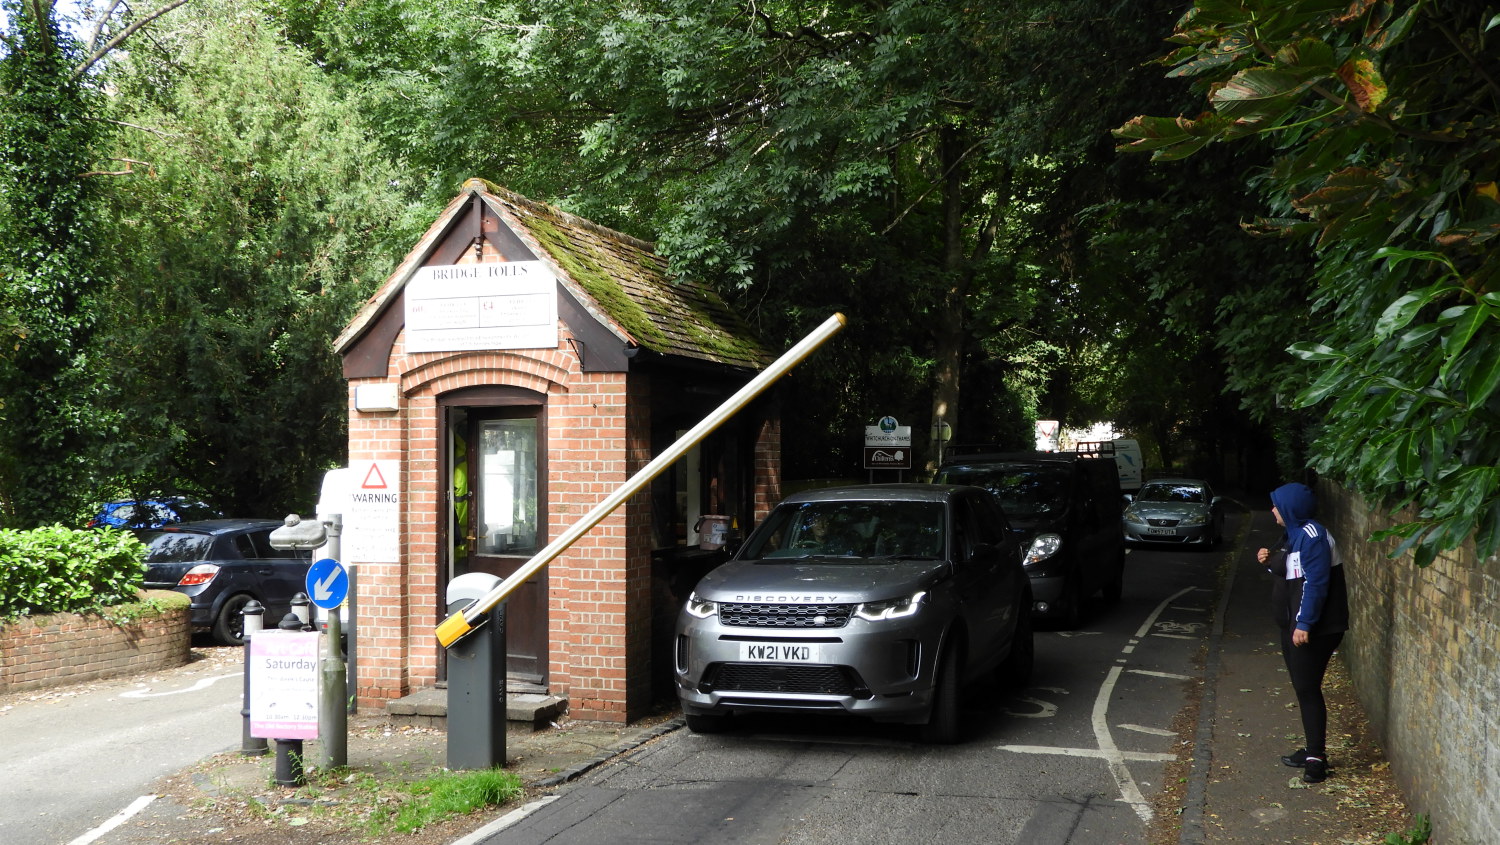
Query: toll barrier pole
{"x": 452, "y": 629}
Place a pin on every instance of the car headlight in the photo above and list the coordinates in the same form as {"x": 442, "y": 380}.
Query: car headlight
{"x": 891, "y": 608}
{"x": 1194, "y": 519}
{"x": 1132, "y": 516}
{"x": 701, "y": 608}
{"x": 1043, "y": 547}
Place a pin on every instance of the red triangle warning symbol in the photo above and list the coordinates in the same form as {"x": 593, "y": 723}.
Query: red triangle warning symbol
{"x": 373, "y": 479}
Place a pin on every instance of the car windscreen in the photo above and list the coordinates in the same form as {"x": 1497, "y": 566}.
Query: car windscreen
{"x": 174, "y": 547}
{"x": 1190, "y": 493}
{"x": 1025, "y": 491}
{"x": 863, "y": 531}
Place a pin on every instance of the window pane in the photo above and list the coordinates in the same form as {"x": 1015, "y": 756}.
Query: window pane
{"x": 507, "y": 487}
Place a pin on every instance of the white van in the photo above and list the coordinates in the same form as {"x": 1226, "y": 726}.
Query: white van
{"x": 1127, "y": 455}
{"x": 1132, "y": 468}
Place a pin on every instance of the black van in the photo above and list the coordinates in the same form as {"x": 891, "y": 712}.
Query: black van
{"x": 1066, "y": 508}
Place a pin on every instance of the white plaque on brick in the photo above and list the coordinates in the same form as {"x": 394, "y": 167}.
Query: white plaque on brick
{"x": 372, "y": 517}
{"x": 471, "y": 307}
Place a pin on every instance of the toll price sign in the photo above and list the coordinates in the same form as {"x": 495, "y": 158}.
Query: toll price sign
{"x": 284, "y": 685}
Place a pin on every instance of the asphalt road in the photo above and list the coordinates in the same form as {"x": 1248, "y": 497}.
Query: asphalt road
{"x": 73, "y": 759}
{"x": 1074, "y": 759}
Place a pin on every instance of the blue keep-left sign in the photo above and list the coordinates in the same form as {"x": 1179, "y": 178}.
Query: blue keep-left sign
{"x": 327, "y": 583}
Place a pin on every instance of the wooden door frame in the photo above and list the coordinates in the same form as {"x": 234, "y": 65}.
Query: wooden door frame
{"x": 483, "y": 401}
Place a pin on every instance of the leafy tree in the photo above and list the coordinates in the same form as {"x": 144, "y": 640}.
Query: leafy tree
{"x": 258, "y": 218}
{"x": 1384, "y": 119}
{"x": 48, "y": 280}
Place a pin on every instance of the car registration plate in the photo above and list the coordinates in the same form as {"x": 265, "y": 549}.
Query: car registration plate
{"x": 779, "y": 653}
{"x": 1161, "y": 530}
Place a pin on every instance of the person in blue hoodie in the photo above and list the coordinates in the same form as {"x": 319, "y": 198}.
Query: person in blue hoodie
{"x": 1311, "y": 606}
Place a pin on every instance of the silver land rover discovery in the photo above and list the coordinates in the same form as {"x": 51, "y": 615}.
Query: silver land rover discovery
{"x": 878, "y": 601}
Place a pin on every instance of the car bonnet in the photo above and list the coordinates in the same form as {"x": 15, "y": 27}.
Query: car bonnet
{"x": 783, "y": 581}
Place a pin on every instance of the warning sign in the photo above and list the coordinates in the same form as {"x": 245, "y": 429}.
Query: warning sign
{"x": 372, "y": 521}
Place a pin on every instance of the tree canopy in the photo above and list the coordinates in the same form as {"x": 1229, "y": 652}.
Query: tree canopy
{"x": 190, "y": 221}
{"x": 1383, "y": 117}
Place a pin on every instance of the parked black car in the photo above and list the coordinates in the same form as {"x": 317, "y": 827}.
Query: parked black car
{"x": 221, "y": 564}
{"x": 1066, "y": 509}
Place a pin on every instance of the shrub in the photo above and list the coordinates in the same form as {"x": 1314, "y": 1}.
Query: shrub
{"x": 61, "y": 570}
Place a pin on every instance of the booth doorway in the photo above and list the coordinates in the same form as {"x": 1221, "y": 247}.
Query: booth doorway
{"x": 498, "y": 520}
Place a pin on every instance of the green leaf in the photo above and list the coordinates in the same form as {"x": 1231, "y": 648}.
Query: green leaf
{"x": 1255, "y": 94}
{"x": 1399, "y": 313}
{"x": 1483, "y": 381}
{"x": 1315, "y": 352}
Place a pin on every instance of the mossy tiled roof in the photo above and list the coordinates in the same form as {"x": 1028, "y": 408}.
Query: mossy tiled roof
{"x": 630, "y": 283}
{"x": 621, "y": 281}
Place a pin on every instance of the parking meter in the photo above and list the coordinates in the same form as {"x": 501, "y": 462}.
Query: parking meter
{"x": 476, "y": 681}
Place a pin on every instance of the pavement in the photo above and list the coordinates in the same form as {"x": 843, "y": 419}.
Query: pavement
{"x": 1233, "y": 787}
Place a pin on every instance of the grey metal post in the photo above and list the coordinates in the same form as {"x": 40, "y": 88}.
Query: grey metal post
{"x": 251, "y": 746}
{"x": 333, "y": 715}
{"x": 334, "y": 523}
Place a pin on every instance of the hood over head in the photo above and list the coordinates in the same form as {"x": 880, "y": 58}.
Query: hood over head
{"x": 1296, "y": 502}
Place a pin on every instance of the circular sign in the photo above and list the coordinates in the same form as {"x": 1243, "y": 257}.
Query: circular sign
{"x": 888, "y": 424}
{"x": 327, "y": 583}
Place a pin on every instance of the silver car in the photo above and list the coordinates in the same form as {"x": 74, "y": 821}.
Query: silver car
{"x": 879, "y": 601}
{"x": 1174, "y": 510}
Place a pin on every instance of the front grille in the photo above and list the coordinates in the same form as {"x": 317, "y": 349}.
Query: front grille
{"x": 760, "y": 677}
{"x": 1163, "y": 523}
{"x": 784, "y": 615}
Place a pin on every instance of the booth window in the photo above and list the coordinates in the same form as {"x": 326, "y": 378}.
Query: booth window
{"x": 507, "y": 517}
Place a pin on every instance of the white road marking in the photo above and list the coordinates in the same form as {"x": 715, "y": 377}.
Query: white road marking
{"x": 1137, "y": 756}
{"x": 1175, "y": 637}
{"x": 1045, "y": 709}
{"x": 1147, "y": 730}
{"x": 123, "y": 816}
{"x": 1172, "y": 675}
{"x": 202, "y": 684}
{"x": 505, "y": 821}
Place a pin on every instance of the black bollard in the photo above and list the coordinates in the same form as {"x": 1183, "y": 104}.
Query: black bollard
{"x": 250, "y": 746}
{"x": 289, "y": 751}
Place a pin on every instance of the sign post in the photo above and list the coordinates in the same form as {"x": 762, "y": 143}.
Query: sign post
{"x": 887, "y": 445}
{"x": 328, "y": 584}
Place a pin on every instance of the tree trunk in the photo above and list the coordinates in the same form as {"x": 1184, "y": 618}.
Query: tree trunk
{"x": 949, "y": 324}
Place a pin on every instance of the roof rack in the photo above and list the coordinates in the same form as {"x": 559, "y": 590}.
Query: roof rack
{"x": 1094, "y": 447}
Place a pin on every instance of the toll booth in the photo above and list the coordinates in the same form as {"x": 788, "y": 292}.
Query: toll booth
{"x": 519, "y": 365}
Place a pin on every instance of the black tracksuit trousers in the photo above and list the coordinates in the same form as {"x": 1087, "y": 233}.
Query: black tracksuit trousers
{"x": 1306, "y": 665}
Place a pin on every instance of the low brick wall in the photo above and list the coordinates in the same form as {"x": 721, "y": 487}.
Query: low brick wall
{"x": 1424, "y": 652}
{"x": 67, "y": 648}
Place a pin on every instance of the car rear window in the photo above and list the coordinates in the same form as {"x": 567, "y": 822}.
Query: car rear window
{"x": 855, "y": 530}
{"x": 175, "y": 547}
{"x": 1025, "y": 491}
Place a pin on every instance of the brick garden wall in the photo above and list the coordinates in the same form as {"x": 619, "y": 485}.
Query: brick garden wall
{"x": 1424, "y": 652}
{"x": 67, "y": 648}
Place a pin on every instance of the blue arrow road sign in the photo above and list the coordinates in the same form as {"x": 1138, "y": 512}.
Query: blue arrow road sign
{"x": 327, "y": 583}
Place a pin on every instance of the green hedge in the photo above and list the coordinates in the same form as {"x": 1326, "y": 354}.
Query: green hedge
{"x": 62, "y": 570}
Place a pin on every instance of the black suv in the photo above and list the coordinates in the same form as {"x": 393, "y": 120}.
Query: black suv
{"x": 1066, "y": 507}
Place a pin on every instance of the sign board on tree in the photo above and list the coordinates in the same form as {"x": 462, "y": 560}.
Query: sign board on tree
{"x": 284, "y": 684}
